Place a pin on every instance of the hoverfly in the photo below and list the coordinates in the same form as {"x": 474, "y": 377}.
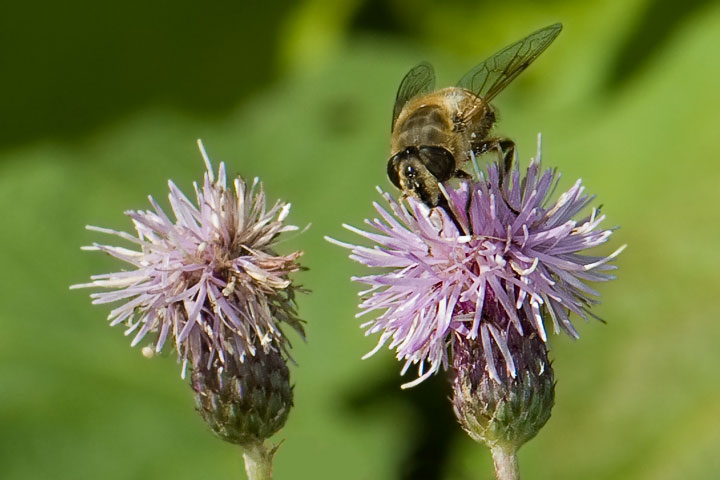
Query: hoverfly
{"x": 434, "y": 132}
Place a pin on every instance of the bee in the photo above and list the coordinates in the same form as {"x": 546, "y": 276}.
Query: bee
{"x": 434, "y": 132}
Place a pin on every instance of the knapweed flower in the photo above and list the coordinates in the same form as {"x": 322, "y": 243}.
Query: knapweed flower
{"x": 507, "y": 251}
{"x": 208, "y": 279}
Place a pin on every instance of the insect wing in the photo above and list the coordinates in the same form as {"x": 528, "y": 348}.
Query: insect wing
{"x": 420, "y": 79}
{"x": 494, "y": 74}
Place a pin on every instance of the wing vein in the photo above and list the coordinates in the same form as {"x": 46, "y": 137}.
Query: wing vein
{"x": 494, "y": 74}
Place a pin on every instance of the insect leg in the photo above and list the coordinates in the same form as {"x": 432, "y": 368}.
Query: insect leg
{"x": 506, "y": 147}
{"x": 443, "y": 203}
{"x": 507, "y": 151}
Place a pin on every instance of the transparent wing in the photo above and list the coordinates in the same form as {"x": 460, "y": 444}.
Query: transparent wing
{"x": 494, "y": 74}
{"x": 420, "y": 79}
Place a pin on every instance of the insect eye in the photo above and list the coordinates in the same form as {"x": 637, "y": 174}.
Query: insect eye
{"x": 392, "y": 170}
{"x": 439, "y": 161}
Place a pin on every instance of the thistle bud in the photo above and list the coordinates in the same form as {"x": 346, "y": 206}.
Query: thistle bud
{"x": 509, "y": 411}
{"x": 247, "y": 401}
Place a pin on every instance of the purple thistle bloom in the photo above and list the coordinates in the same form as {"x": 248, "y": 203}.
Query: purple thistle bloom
{"x": 209, "y": 278}
{"x": 509, "y": 253}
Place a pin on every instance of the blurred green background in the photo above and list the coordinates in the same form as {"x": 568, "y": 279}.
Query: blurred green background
{"x": 101, "y": 103}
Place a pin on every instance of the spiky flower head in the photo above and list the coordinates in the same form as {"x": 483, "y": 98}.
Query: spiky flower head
{"x": 507, "y": 252}
{"x": 208, "y": 279}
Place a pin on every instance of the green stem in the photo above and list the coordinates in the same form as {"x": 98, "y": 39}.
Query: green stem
{"x": 506, "y": 464}
{"x": 258, "y": 461}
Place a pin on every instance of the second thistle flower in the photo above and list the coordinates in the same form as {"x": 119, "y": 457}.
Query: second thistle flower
{"x": 207, "y": 279}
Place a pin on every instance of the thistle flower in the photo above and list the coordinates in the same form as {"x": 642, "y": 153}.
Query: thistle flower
{"x": 506, "y": 253}
{"x": 207, "y": 279}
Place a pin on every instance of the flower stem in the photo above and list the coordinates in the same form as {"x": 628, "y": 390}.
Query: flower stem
{"x": 258, "y": 461}
{"x": 506, "y": 464}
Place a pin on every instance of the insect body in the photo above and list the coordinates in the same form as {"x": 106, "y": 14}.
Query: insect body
{"x": 435, "y": 132}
